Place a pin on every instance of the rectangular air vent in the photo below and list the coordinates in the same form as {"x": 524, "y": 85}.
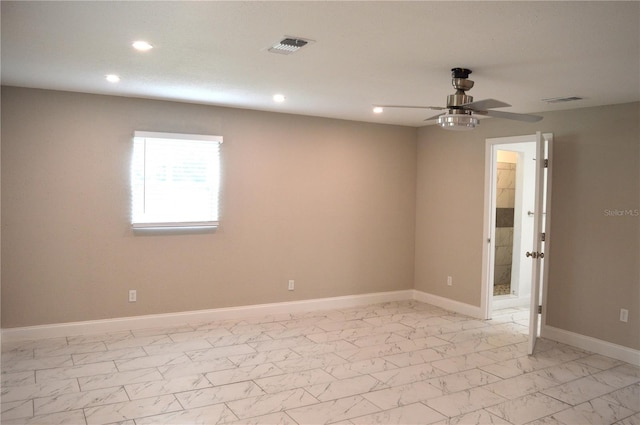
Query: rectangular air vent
{"x": 562, "y": 99}
{"x": 289, "y": 45}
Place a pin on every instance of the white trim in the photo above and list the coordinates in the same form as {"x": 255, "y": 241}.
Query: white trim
{"x": 176, "y": 225}
{"x": 486, "y": 298}
{"x": 448, "y": 304}
{"x": 594, "y": 345}
{"x": 169, "y": 319}
{"x": 177, "y": 136}
{"x": 488, "y": 239}
{"x": 619, "y": 352}
{"x": 488, "y": 248}
{"x": 547, "y": 229}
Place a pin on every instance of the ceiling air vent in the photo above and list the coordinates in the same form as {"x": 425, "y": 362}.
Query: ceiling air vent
{"x": 562, "y": 99}
{"x": 289, "y": 45}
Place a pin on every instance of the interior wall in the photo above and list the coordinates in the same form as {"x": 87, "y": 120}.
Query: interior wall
{"x": 594, "y": 237}
{"x": 328, "y": 203}
{"x": 449, "y": 213}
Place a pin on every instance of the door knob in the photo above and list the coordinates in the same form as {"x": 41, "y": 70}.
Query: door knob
{"x": 532, "y": 254}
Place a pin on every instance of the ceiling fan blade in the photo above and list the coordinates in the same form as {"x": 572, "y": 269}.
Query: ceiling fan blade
{"x": 436, "y": 108}
{"x": 433, "y": 117}
{"x": 485, "y": 104}
{"x": 510, "y": 115}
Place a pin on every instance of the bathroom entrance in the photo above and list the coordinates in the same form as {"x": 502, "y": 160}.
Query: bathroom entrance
{"x": 514, "y": 199}
{"x": 517, "y": 182}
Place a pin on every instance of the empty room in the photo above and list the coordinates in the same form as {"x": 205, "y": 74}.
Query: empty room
{"x": 264, "y": 212}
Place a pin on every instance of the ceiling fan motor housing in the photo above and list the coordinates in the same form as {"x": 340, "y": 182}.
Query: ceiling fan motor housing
{"x": 455, "y": 102}
{"x": 461, "y": 84}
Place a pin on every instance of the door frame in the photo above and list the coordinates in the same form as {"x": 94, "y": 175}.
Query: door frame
{"x": 486, "y": 296}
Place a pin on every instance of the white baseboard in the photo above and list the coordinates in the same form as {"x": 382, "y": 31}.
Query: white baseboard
{"x": 172, "y": 319}
{"x": 448, "y": 304}
{"x": 608, "y": 349}
{"x": 594, "y": 345}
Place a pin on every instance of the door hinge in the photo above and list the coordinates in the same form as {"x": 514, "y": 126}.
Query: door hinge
{"x": 543, "y": 236}
{"x": 539, "y": 309}
{"x": 546, "y": 163}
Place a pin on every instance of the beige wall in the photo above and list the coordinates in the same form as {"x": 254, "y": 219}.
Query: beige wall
{"x": 448, "y": 221}
{"x": 328, "y": 203}
{"x": 594, "y": 263}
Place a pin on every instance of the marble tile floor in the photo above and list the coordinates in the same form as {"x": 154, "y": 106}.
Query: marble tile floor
{"x": 392, "y": 363}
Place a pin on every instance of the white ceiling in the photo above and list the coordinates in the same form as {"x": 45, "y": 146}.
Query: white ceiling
{"x": 364, "y": 53}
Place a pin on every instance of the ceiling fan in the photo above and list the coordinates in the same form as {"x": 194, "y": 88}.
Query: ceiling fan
{"x": 461, "y": 109}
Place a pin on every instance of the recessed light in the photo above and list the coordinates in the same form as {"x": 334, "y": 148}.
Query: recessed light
{"x": 141, "y": 45}
{"x": 278, "y": 98}
{"x": 377, "y": 109}
{"x": 112, "y": 78}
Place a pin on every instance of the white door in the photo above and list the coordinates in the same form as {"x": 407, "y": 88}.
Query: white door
{"x": 539, "y": 252}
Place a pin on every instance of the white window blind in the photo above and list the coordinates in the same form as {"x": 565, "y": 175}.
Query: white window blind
{"x": 175, "y": 180}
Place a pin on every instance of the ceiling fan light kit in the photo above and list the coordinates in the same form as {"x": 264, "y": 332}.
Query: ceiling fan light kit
{"x": 461, "y": 109}
{"x": 460, "y": 122}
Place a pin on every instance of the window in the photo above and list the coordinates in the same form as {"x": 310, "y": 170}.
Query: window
{"x": 175, "y": 180}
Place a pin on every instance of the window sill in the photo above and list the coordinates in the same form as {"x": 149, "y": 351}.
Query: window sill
{"x": 174, "y": 228}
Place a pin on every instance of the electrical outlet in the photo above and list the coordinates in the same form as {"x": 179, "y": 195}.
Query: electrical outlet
{"x": 624, "y": 315}
{"x": 449, "y": 281}
{"x": 133, "y": 295}
{"x": 291, "y": 285}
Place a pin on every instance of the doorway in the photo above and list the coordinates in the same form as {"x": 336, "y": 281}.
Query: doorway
{"x": 517, "y": 182}
{"x": 513, "y": 225}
